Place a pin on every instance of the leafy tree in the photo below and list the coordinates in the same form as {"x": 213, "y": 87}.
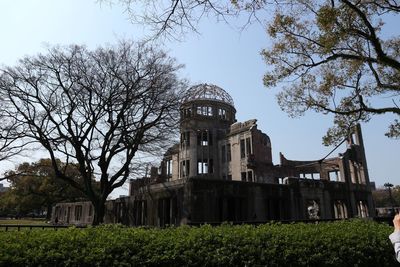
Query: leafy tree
{"x": 35, "y": 187}
{"x": 336, "y": 60}
{"x": 331, "y": 55}
{"x": 97, "y": 110}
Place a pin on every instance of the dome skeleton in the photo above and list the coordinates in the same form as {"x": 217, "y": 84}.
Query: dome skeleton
{"x": 207, "y": 92}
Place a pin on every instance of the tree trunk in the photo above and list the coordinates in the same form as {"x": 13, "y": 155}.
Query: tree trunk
{"x": 49, "y": 210}
{"x": 99, "y": 212}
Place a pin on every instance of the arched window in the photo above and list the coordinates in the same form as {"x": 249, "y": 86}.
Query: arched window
{"x": 204, "y": 138}
{"x": 184, "y": 168}
{"x": 340, "y": 210}
{"x": 205, "y": 166}
{"x": 313, "y": 211}
{"x": 362, "y": 209}
{"x": 185, "y": 139}
{"x": 205, "y": 111}
{"x": 222, "y": 114}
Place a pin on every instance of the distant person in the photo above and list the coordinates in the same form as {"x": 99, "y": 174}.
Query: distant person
{"x": 395, "y": 236}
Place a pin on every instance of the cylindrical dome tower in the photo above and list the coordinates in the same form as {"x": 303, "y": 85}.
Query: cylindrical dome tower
{"x": 207, "y": 111}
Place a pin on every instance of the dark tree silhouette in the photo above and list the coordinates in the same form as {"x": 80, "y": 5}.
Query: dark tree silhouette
{"x": 330, "y": 56}
{"x": 173, "y": 19}
{"x": 95, "y": 109}
{"x": 10, "y": 143}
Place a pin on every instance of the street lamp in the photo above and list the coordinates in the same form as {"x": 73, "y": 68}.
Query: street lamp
{"x": 389, "y": 187}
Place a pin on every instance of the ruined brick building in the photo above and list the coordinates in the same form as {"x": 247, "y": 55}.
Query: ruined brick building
{"x": 222, "y": 170}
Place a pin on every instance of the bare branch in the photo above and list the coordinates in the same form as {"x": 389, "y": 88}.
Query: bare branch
{"x": 95, "y": 109}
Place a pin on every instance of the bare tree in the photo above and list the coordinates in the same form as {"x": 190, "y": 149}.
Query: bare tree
{"x": 173, "y": 19}
{"x": 10, "y": 143}
{"x": 330, "y": 55}
{"x": 95, "y": 109}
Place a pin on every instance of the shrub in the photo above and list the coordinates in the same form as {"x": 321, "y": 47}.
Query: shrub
{"x": 343, "y": 243}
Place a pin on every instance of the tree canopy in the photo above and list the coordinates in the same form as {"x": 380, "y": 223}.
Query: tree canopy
{"x": 333, "y": 58}
{"x": 34, "y": 188}
{"x": 97, "y": 110}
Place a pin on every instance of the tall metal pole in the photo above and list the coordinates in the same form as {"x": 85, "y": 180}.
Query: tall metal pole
{"x": 389, "y": 187}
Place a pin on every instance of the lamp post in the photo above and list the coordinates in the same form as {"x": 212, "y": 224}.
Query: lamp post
{"x": 389, "y": 187}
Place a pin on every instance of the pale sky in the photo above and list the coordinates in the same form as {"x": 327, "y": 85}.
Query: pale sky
{"x": 220, "y": 55}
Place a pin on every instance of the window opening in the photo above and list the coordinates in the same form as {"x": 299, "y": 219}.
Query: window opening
{"x": 205, "y": 111}
{"x": 204, "y": 138}
{"x": 78, "y": 213}
{"x": 362, "y": 209}
{"x": 250, "y": 176}
{"x": 248, "y": 146}
{"x": 185, "y": 139}
{"x": 169, "y": 168}
{"x": 242, "y": 149}
{"x": 185, "y": 166}
{"x": 334, "y": 176}
{"x": 313, "y": 175}
{"x": 340, "y": 209}
{"x": 222, "y": 113}
{"x": 205, "y": 166}
{"x": 243, "y": 176}
{"x": 228, "y": 152}
{"x": 187, "y": 112}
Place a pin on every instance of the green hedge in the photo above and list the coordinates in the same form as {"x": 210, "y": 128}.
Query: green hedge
{"x": 344, "y": 243}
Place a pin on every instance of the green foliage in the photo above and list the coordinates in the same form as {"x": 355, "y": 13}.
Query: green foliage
{"x": 332, "y": 57}
{"x": 345, "y": 243}
{"x": 34, "y": 187}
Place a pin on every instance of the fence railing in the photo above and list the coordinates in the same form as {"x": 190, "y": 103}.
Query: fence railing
{"x": 18, "y": 227}
{"x": 387, "y": 220}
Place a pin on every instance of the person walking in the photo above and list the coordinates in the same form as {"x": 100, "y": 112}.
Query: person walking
{"x": 395, "y": 236}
